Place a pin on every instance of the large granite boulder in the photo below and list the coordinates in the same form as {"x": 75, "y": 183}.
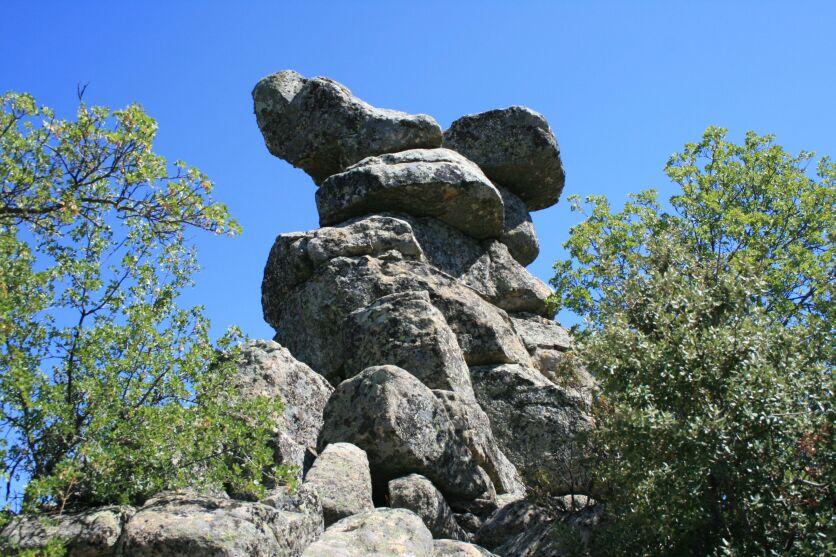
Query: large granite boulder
{"x": 422, "y": 182}
{"x": 341, "y": 477}
{"x": 90, "y": 533}
{"x": 310, "y": 320}
{"x": 473, "y": 424}
{"x": 485, "y": 266}
{"x": 379, "y": 532}
{"x": 516, "y": 148}
{"x": 455, "y": 548}
{"x": 295, "y": 256}
{"x": 417, "y": 494}
{"x": 536, "y": 424}
{"x": 185, "y": 524}
{"x": 300, "y": 506}
{"x": 319, "y": 126}
{"x": 265, "y": 368}
{"x": 404, "y": 428}
{"x": 519, "y": 234}
{"x": 407, "y": 331}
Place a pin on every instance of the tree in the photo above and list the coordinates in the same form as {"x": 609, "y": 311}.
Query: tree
{"x": 109, "y": 390}
{"x": 709, "y": 325}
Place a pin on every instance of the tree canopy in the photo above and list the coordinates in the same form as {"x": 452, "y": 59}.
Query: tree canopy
{"x": 709, "y": 323}
{"x": 109, "y": 390}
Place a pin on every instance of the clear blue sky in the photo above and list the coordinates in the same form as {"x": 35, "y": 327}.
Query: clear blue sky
{"x": 623, "y": 84}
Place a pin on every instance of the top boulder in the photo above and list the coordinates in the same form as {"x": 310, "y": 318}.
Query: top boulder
{"x": 319, "y": 126}
{"x": 515, "y": 148}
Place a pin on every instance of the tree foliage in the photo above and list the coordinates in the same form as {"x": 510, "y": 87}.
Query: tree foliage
{"x": 709, "y": 324}
{"x": 109, "y": 390}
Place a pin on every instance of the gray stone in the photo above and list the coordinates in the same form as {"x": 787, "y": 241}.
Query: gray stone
{"x": 185, "y": 524}
{"x": 265, "y": 368}
{"x": 407, "y": 331}
{"x": 310, "y": 320}
{"x": 516, "y": 148}
{"x": 404, "y": 429}
{"x": 301, "y": 507}
{"x": 519, "y": 234}
{"x": 454, "y": 548}
{"x": 379, "y": 532}
{"x": 422, "y": 182}
{"x": 90, "y": 533}
{"x": 342, "y": 478}
{"x": 471, "y": 422}
{"x": 536, "y": 424}
{"x": 486, "y": 266}
{"x": 417, "y": 494}
{"x": 521, "y": 529}
{"x": 319, "y": 126}
{"x": 295, "y": 255}
{"x": 538, "y": 332}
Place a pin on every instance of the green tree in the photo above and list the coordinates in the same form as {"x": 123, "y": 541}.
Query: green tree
{"x": 709, "y": 324}
{"x": 109, "y": 390}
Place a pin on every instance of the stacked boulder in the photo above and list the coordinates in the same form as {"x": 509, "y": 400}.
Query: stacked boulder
{"x": 413, "y": 301}
{"x": 417, "y": 358}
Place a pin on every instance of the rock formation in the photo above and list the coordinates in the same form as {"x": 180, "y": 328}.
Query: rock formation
{"x": 417, "y": 358}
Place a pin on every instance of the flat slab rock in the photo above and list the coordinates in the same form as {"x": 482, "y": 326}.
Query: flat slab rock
{"x": 516, "y": 148}
{"x": 381, "y": 532}
{"x": 422, "y": 182}
{"x": 454, "y": 548}
{"x": 185, "y": 524}
{"x": 341, "y": 477}
{"x": 404, "y": 429}
{"x": 319, "y": 126}
{"x": 265, "y": 368}
{"x": 91, "y": 533}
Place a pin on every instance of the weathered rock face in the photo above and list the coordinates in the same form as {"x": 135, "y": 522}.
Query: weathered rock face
{"x": 187, "y": 524}
{"x": 516, "y": 148}
{"x": 267, "y": 369}
{"x": 519, "y": 234}
{"x": 93, "y": 533}
{"x": 407, "y": 331}
{"x": 535, "y": 423}
{"x": 403, "y": 428}
{"x": 375, "y": 533}
{"x": 471, "y": 422}
{"x": 417, "y": 494}
{"x": 341, "y": 477}
{"x": 422, "y": 182}
{"x": 319, "y": 126}
{"x": 520, "y": 529}
{"x": 294, "y": 256}
{"x": 311, "y": 318}
{"x": 453, "y": 548}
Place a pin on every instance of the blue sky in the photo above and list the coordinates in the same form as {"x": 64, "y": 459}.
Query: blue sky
{"x": 623, "y": 84}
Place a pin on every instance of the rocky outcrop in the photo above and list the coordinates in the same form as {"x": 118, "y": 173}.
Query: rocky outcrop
{"x": 319, "y": 126}
{"x": 92, "y": 533}
{"x": 417, "y": 494}
{"x": 404, "y": 429}
{"x": 407, "y": 331}
{"x": 423, "y": 182}
{"x": 516, "y": 148}
{"x": 341, "y": 477}
{"x": 536, "y": 423}
{"x": 188, "y": 524}
{"x": 267, "y": 369}
{"x": 375, "y": 533}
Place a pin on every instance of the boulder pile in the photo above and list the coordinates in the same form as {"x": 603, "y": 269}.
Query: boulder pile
{"x": 417, "y": 358}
